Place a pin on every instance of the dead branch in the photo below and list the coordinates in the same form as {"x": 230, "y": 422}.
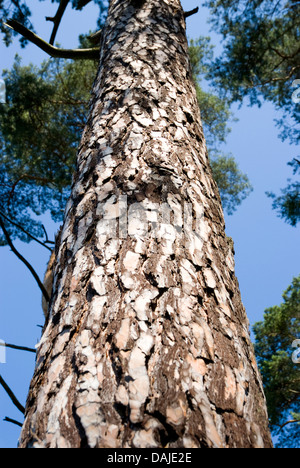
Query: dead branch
{"x": 292, "y": 421}
{"x": 191, "y": 12}
{"x": 47, "y": 241}
{"x": 55, "y": 52}
{"x": 96, "y": 37}
{"x": 26, "y": 232}
{"x": 12, "y": 395}
{"x": 57, "y": 19}
{"x": 13, "y": 421}
{"x": 26, "y": 263}
{"x": 20, "y": 348}
{"x": 81, "y": 4}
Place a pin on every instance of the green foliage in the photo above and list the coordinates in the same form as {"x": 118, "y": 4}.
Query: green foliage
{"x": 261, "y": 56}
{"x": 234, "y": 186}
{"x": 17, "y": 10}
{"x": 215, "y": 112}
{"x": 273, "y": 345}
{"x": 288, "y": 203}
{"x": 260, "y": 61}
{"x": 40, "y": 128}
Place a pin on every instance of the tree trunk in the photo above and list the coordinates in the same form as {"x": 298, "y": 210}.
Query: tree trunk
{"x": 147, "y": 342}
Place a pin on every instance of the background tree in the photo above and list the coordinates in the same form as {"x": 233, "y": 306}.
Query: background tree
{"x": 39, "y": 129}
{"x": 260, "y": 61}
{"x": 274, "y": 337}
{"x": 288, "y": 203}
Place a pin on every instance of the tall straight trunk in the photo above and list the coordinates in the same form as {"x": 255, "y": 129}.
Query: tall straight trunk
{"x": 147, "y": 342}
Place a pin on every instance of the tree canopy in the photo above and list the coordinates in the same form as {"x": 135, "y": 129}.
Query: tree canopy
{"x": 288, "y": 203}
{"x": 260, "y": 61}
{"x": 274, "y": 339}
{"x": 40, "y": 127}
{"x": 261, "y": 56}
{"x": 234, "y": 186}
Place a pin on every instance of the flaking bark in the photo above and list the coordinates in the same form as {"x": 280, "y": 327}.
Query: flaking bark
{"x": 147, "y": 343}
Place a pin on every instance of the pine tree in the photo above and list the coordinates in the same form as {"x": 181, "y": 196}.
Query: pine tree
{"x": 147, "y": 341}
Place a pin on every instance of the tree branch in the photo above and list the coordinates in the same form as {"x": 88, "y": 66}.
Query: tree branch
{"x": 76, "y": 54}
{"x": 191, "y": 12}
{"x": 57, "y": 19}
{"x": 274, "y": 80}
{"x": 13, "y": 421}
{"x": 26, "y": 232}
{"x": 20, "y": 348}
{"x": 82, "y": 3}
{"x": 96, "y": 37}
{"x": 26, "y": 263}
{"x": 292, "y": 421}
{"x": 47, "y": 241}
{"x": 284, "y": 56}
{"x": 12, "y": 395}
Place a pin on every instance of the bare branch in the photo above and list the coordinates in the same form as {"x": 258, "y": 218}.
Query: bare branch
{"x": 96, "y": 37}
{"x": 29, "y": 177}
{"x": 57, "y": 19}
{"x": 47, "y": 241}
{"x": 76, "y": 54}
{"x": 13, "y": 421}
{"x": 191, "y": 12}
{"x": 12, "y": 395}
{"x": 81, "y": 4}
{"x": 292, "y": 421}
{"x": 26, "y": 263}
{"x": 20, "y": 348}
{"x": 26, "y": 232}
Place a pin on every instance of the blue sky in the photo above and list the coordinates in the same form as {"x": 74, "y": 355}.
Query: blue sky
{"x": 267, "y": 249}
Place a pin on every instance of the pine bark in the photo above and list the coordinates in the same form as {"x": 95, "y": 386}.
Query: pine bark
{"x": 147, "y": 341}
